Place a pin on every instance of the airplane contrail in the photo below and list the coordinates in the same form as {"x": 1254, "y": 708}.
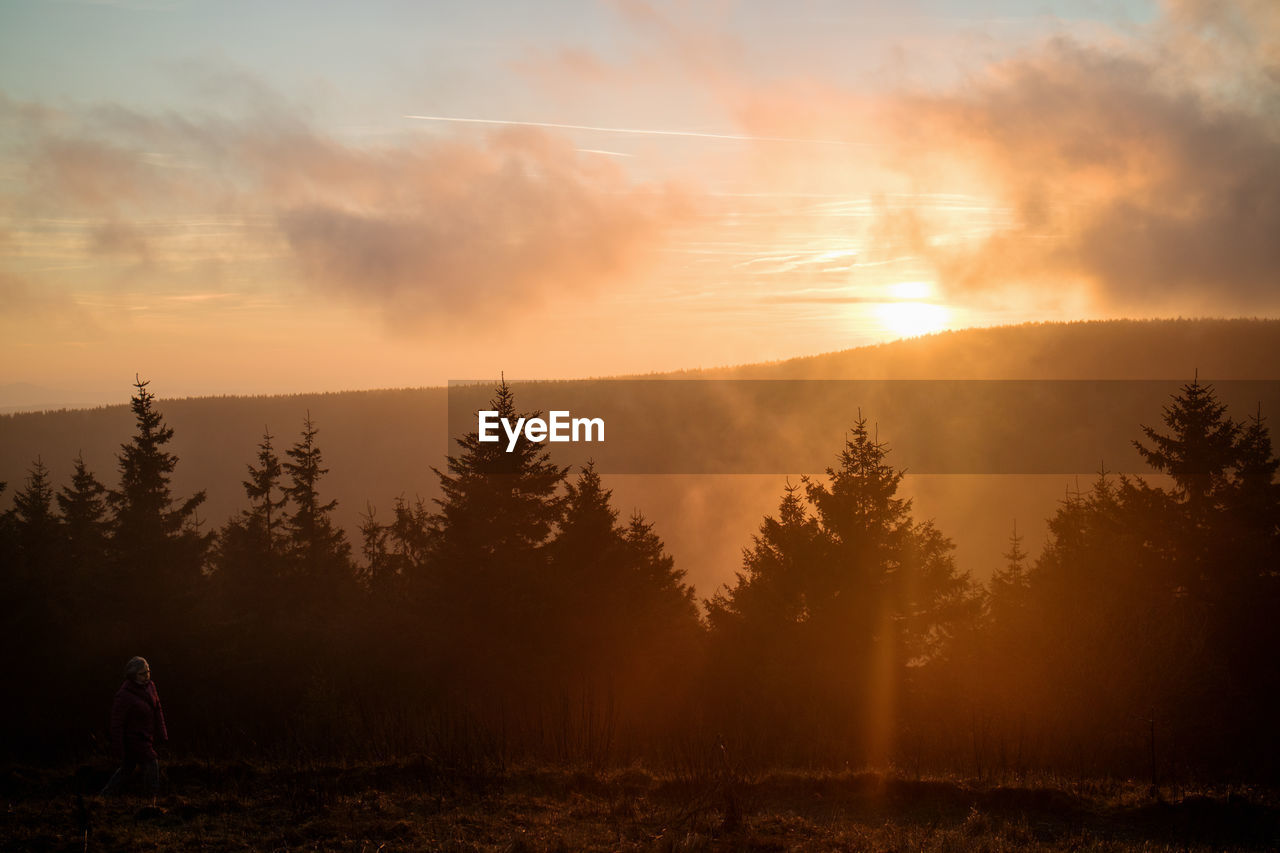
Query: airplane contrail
{"x": 693, "y": 133}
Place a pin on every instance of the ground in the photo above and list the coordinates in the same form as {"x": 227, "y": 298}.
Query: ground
{"x": 418, "y": 806}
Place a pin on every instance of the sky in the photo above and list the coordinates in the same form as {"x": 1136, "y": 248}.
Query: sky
{"x": 246, "y": 198}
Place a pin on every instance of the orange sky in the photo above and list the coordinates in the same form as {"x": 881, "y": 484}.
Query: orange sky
{"x": 655, "y": 186}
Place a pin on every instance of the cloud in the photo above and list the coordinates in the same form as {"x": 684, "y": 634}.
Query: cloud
{"x": 424, "y": 231}
{"x": 466, "y": 230}
{"x": 1140, "y": 169}
{"x": 1148, "y": 173}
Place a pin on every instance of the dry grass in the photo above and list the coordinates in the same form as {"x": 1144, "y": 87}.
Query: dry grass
{"x": 418, "y": 806}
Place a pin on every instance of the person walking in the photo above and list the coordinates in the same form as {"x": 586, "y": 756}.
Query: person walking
{"x": 137, "y": 724}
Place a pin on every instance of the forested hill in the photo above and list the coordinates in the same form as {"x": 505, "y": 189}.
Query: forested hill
{"x": 1110, "y": 349}
{"x": 382, "y": 444}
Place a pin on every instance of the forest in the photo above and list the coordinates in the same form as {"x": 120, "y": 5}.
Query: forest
{"x": 519, "y": 619}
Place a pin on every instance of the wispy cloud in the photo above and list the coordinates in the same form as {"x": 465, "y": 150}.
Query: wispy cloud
{"x": 424, "y": 232}
{"x": 734, "y": 137}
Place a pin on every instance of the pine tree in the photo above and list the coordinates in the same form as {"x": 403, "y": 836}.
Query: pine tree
{"x": 885, "y": 578}
{"x": 395, "y": 639}
{"x": 1198, "y": 451}
{"x": 249, "y": 556}
{"x": 396, "y": 554}
{"x": 38, "y": 533}
{"x": 833, "y": 607}
{"x": 318, "y": 550}
{"x": 1243, "y": 599}
{"x": 585, "y": 583}
{"x": 1009, "y": 589}
{"x": 413, "y": 534}
{"x": 83, "y": 505}
{"x": 617, "y": 592}
{"x": 36, "y": 582}
{"x": 156, "y": 545}
{"x": 84, "y": 512}
{"x": 143, "y": 504}
{"x": 379, "y": 563}
{"x": 484, "y": 590}
{"x": 1116, "y": 615}
{"x": 495, "y": 501}
{"x": 660, "y": 583}
{"x": 1255, "y": 494}
{"x": 263, "y": 516}
{"x": 773, "y": 588}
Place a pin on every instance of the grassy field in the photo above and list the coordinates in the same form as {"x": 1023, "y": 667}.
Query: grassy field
{"x": 416, "y": 806}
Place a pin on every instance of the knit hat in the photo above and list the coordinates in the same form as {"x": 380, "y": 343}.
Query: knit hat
{"x": 135, "y": 666}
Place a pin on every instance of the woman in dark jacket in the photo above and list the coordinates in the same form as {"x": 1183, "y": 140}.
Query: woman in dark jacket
{"x": 137, "y": 722}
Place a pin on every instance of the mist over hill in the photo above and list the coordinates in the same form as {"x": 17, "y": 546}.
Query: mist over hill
{"x": 379, "y": 445}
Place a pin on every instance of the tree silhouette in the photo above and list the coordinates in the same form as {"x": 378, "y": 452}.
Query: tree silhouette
{"x": 157, "y": 549}
{"x": 37, "y": 525}
{"x": 838, "y": 605}
{"x": 145, "y": 513}
{"x": 318, "y": 552}
{"x": 484, "y": 586}
{"x": 34, "y": 574}
{"x": 1199, "y": 448}
{"x": 622, "y": 614}
{"x": 396, "y": 554}
{"x": 1010, "y": 584}
{"x": 1148, "y": 605}
{"x": 249, "y": 568}
{"x": 84, "y": 511}
{"x": 263, "y": 516}
{"x": 497, "y": 501}
{"x": 1255, "y": 497}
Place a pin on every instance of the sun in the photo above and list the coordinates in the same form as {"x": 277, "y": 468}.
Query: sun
{"x": 912, "y": 315}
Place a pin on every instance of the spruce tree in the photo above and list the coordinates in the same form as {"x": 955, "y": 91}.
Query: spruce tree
{"x": 35, "y": 574}
{"x": 318, "y": 551}
{"x": 37, "y": 524}
{"x": 1199, "y": 448}
{"x": 156, "y": 546}
{"x": 484, "y": 592}
{"x": 885, "y": 578}
{"x": 249, "y": 556}
{"x": 396, "y": 553}
{"x": 495, "y": 501}
{"x": 617, "y": 593}
{"x": 772, "y": 591}
{"x": 263, "y": 516}
{"x": 660, "y": 584}
{"x": 1255, "y": 494}
{"x": 83, "y": 506}
{"x": 84, "y": 512}
{"x": 1008, "y": 596}
{"x": 839, "y": 596}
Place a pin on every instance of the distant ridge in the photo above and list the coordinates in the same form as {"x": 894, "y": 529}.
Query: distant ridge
{"x": 382, "y": 444}
{"x": 1243, "y": 348}
{"x": 400, "y": 431}
{"x": 1088, "y": 349}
